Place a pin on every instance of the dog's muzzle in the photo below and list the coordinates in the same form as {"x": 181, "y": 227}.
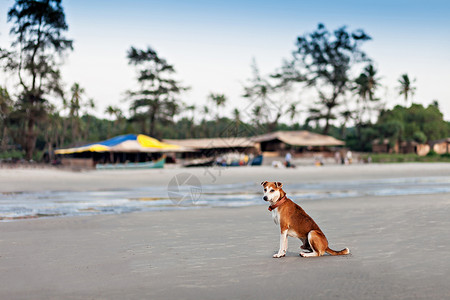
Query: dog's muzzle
{"x": 265, "y": 198}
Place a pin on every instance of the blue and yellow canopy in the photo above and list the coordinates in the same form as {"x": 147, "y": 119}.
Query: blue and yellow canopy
{"x": 124, "y": 143}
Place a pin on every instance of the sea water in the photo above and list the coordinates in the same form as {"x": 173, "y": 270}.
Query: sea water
{"x": 14, "y": 206}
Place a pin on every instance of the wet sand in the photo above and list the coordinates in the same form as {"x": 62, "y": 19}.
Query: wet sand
{"x": 399, "y": 248}
{"x": 37, "y": 180}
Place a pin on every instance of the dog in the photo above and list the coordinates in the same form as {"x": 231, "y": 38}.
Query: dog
{"x": 295, "y": 222}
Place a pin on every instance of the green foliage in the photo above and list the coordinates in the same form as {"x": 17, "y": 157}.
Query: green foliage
{"x": 420, "y": 137}
{"x": 391, "y": 129}
{"x": 218, "y": 100}
{"x": 156, "y": 101}
{"x": 37, "y": 29}
{"x": 432, "y": 153}
{"x": 399, "y": 158}
{"x": 324, "y": 62}
{"x": 414, "y": 123}
{"x": 262, "y": 93}
{"x": 326, "y": 59}
{"x": 363, "y": 141}
{"x": 13, "y": 154}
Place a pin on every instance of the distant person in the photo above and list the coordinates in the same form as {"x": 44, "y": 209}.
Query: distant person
{"x": 349, "y": 157}
{"x": 337, "y": 157}
{"x": 288, "y": 159}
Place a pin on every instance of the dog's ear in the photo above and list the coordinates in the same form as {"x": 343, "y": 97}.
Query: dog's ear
{"x": 278, "y": 184}
{"x": 264, "y": 183}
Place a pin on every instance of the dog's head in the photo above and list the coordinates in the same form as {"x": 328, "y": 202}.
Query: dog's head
{"x": 272, "y": 191}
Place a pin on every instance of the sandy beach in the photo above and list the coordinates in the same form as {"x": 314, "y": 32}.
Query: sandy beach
{"x": 33, "y": 180}
{"x": 399, "y": 244}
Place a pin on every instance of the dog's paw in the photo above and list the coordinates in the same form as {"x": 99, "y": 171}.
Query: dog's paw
{"x": 302, "y": 254}
{"x": 278, "y": 255}
{"x": 306, "y": 248}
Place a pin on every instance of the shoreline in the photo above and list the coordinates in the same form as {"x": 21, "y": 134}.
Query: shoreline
{"x": 43, "y": 180}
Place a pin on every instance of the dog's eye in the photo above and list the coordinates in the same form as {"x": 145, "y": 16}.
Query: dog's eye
{"x": 265, "y": 190}
{"x": 272, "y": 191}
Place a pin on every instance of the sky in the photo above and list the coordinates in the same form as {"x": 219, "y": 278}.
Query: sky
{"x": 212, "y": 44}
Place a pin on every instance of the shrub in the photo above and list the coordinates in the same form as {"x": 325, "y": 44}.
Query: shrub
{"x": 431, "y": 153}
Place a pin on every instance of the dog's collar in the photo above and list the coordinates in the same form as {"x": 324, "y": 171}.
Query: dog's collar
{"x": 278, "y": 203}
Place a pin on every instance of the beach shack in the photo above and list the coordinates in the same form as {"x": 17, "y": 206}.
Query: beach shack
{"x": 386, "y": 146}
{"x": 124, "y": 151}
{"x": 211, "y": 147}
{"x": 279, "y": 142}
{"x": 441, "y": 146}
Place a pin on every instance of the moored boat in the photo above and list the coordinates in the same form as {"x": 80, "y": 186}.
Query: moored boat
{"x": 158, "y": 164}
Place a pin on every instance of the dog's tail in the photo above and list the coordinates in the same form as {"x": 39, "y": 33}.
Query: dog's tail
{"x": 342, "y": 252}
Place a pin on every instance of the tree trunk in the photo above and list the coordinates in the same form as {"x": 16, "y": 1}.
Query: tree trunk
{"x": 343, "y": 130}
{"x": 75, "y": 126}
{"x": 153, "y": 111}
{"x": 272, "y": 126}
{"x": 63, "y": 134}
{"x": 88, "y": 124}
{"x": 50, "y": 151}
{"x": 4, "y": 138}
{"x": 151, "y": 131}
{"x": 327, "y": 121}
{"x": 30, "y": 139}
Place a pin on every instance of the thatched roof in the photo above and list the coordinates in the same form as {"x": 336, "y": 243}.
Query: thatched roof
{"x": 446, "y": 140}
{"x": 299, "y": 138}
{"x": 295, "y": 138}
{"x": 235, "y": 142}
{"x": 386, "y": 141}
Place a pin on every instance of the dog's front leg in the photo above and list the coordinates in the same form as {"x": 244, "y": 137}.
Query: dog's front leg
{"x": 283, "y": 245}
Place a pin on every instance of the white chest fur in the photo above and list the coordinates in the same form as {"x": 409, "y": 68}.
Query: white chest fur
{"x": 275, "y": 216}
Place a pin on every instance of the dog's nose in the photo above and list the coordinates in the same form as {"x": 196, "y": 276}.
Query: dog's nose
{"x": 265, "y": 198}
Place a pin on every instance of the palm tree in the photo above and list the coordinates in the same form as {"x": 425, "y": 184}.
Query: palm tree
{"x": 369, "y": 83}
{"x": 219, "y": 100}
{"x": 346, "y": 115}
{"x": 292, "y": 111}
{"x": 74, "y": 109}
{"x": 365, "y": 87}
{"x": 257, "y": 113}
{"x": 205, "y": 129}
{"x": 259, "y": 92}
{"x": 116, "y": 112}
{"x": 89, "y": 105}
{"x": 406, "y": 89}
{"x": 237, "y": 118}
{"x": 190, "y": 109}
{"x": 205, "y": 111}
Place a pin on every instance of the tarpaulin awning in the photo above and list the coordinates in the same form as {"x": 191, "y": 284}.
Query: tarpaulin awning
{"x": 125, "y": 143}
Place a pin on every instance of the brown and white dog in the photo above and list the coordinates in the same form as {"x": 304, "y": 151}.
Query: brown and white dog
{"x": 295, "y": 222}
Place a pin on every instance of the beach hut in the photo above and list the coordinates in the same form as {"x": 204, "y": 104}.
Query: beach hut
{"x": 131, "y": 150}
{"x": 278, "y": 142}
{"x": 441, "y": 146}
{"x": 210, "y": 147}
{"x": 386, "y": 146}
